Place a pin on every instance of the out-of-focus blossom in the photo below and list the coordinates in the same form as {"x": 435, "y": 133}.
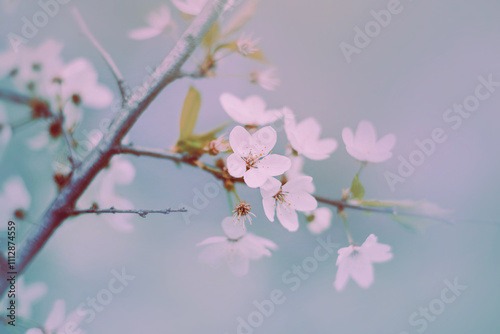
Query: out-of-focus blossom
{"x": 247, "y": 44}
{"x": 287, "y": 199}
{"x": 267, "y": 79}
{"x": 357, "y": 262}
{"x": 32, "y": 69}
{"x": 194, "y": 7}
{"x": 26, "y": 296}
{"x": 364, "y": 145}
{"x": 250, "y": 111}
{"x": 78, "y": 83}
{"x": 251, "y": 159}
{"x": 304, "y": 137}
{"x": 58, "y": 323}
{"x": 319, "y": 220}
{"x": 218, "y": 145}
{"x": 159, "y": 21}
{"x": 15, "y": 201}
{"x": 236, "y": 249}
{"x": 5, "y": 131}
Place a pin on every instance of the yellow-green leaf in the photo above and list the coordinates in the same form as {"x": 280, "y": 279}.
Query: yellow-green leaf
{"x": 189, "y": 114}
{"x": 357, "y": 189}
{"x": 211, "y": 37}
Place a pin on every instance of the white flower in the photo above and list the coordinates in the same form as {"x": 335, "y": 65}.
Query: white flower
{"x": 5, "y": 131}
{"x": 15, "y": 201}
{"x": 356, "y": 262}
{"x": 32, "y": 68}
{"x": 159, "y": 21}
{"x": 247, "y": 45}
{"x": 58, "y": 323}
{"x": 78, "y": 83}
{"x": 26, "y": 296}
{"x": 304, "y": 137}
{"x": 296, "y": 169}
{"x": 364, "y": 145}
{"x": 218, "y": 145}
{"x": 287, "y": 199}
{"x": 251, "y": 159}
{"x": 251, "y": 111}
{"x": 267, "y": 79}
{"x": 319, "y": 220}
{"x": 194, "y": 7}
{"x": 236, "y": 248}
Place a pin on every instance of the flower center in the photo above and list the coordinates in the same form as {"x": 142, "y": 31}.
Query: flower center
{"x": 242, "y": 212}
{"x": 280, "y": 197}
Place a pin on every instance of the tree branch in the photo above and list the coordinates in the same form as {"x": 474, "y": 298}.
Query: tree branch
{"x": 122, "y": 85}
{"x": 4, "y": 266}
{"x": 14, "y": 97}
{"x": 220, "y": 174}
{"x": 142, "y": 213}
{"x": 100, "y": 156}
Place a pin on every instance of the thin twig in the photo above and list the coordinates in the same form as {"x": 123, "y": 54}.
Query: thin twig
{"x": 14, "y": 97}
{"x": 340, "y": 204}
{"x": 124, "y": 119}
{"x": 142, "y": 213}
{"x": 122, "y": 85}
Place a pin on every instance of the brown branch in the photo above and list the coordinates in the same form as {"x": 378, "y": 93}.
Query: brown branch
{"x": 14, "y": 97}
{"x": 221, "y": 175}
{"x": 124, "y": 119}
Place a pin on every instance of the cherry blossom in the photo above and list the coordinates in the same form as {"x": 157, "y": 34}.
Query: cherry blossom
{"x": 267, "y": 79}
{"x": 5, "y": 131}
{"x": 304, "y": 137}
{"x": 58, "y": 323}
{"x": 159, "y": 21}
{"x": 357, "y": 262}
{"x": 32, "y": 68}
{"x": 247, "y": 45}
{"x": 78, "y": 83}
{"x": 194, "y": 7}
{"x": 250, "y": 111}
{"x": 251, "y": 159}
{"x": 15, "y": 201}
{"x": 364, "y": 145}
{"x": 319, "y": 220}
{"x": 236, "y": 249}
{"x": 296, "y": 170}
{"x": 287, "y": 199}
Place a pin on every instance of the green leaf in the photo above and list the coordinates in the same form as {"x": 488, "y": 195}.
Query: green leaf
{"x": 195, "y": 144}
{"x": 233, "y": 46}
{"x": 211, "y": 37}
{"x": 357, "y": 189}
{"x": 189, "y": 114}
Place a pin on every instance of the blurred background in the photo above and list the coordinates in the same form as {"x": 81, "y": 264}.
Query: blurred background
{"x": 425, "y": 60}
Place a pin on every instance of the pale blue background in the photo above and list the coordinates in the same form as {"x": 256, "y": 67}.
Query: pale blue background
{"x": 428, "y": 58}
